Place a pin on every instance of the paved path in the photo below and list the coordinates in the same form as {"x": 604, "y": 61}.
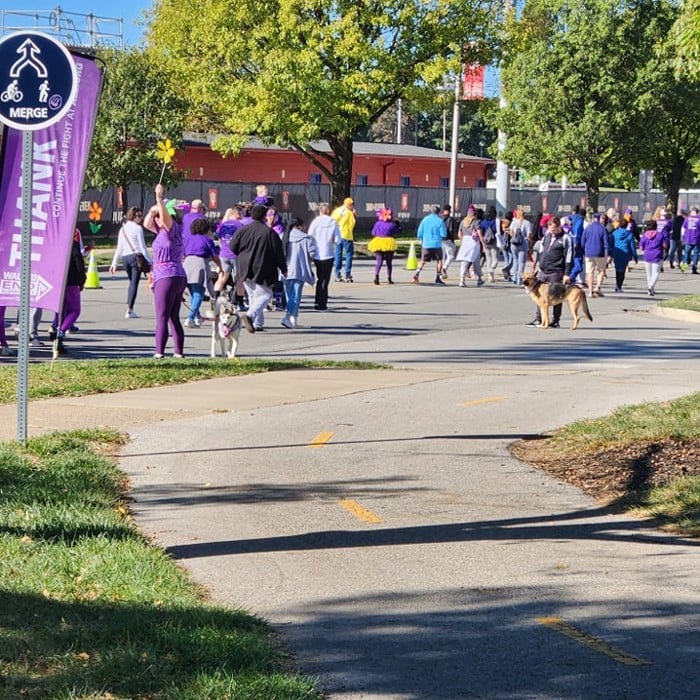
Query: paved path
{"x": 378, "y": 520}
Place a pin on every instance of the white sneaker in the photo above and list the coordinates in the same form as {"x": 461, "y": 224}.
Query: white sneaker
{"x": 287, "y": 322}
{"x": 192, "y": 324}
{"x": 131, "y": 314}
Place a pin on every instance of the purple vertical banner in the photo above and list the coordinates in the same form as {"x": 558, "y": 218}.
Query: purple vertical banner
{"x": 59, "y": 160}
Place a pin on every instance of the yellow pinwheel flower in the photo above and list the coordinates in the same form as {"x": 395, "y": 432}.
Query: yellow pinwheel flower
{"x": 165, "y": 151}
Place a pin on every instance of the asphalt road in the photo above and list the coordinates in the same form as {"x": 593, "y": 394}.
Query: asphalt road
{"x": 386, "y": 532}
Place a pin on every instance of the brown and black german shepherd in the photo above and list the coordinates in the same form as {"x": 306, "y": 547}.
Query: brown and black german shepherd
{"x": 546, "y": 294}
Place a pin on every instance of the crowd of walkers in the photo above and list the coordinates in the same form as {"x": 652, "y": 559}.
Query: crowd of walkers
{"x": 262, "y": 265}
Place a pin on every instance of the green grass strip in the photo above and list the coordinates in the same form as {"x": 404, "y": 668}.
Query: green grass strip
{"x": 90, "y": 609}
{"x": 689, "y": 302}
{"x": 84, "y": 377}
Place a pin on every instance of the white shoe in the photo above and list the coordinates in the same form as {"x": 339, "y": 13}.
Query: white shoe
{"x": 287, "y": 322}
{"x": 192, "y": 324}
{"x": 131, "y": 314}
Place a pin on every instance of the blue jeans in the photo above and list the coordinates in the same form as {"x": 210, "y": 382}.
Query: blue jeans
{"x": 347, "y": 248}
{"x": 691, "y": 251}
{"x": 293, "y": 289}
{"x": 196, "y": 297}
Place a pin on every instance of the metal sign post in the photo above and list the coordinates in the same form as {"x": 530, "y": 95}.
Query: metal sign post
{"x": 38, "y": 84}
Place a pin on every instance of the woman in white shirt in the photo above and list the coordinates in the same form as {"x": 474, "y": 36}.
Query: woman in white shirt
{"x": 130, "y": 243}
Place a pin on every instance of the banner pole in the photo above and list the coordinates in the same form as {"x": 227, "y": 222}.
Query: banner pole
{"x": 25, "y": 287}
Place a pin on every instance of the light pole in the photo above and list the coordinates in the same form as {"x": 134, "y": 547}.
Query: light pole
{"x": 502, "y": 179}
{"x": 455, "y": 144}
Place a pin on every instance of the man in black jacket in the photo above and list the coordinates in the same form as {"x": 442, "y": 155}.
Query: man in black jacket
{"x": 554, "y": 264}
{"x": 260, "y": 259}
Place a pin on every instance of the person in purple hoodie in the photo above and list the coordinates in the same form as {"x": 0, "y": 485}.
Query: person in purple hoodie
{"x": 383, "y": 243}
{"x": 654, "y": 244}
{"x": 690, "y": 233}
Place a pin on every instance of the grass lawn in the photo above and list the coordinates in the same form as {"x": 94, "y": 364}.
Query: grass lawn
{"x": 83, "y": 377}
{"x": 90, "y": 609}
{"x": 645, "y": 455}
{"x": 689, "y": 302}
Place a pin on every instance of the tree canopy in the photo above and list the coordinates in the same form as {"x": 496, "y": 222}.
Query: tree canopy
{"x": 137, "y": 109}
{"x": 687, "y": 39}
{"x": 572, "y": 76}
{"x": 293, "y": 72}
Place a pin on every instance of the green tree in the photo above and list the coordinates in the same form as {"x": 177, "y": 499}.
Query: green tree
{"x": 296, "y": 71}
{"x": 671, "y": 115}
{"x": 137, "y": 109}
{"x": 570, "y": 78}
{"x": 687, "y": 39}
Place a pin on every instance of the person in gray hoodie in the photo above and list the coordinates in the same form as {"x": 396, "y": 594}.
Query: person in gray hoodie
{"x": 325, "y": 231}
{"x": 301, "y": 251}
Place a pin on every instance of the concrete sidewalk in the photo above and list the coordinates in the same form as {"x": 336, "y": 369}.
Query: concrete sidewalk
{"x": 212, "y": 396}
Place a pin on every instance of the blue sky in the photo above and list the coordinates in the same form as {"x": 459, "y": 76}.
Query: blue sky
{"x": 128, "y": 10}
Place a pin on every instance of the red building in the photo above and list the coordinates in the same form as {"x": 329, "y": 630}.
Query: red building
{"x": 374, "y": 164}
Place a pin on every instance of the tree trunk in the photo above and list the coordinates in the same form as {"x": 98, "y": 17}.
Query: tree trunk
{"x": 593, "y": 192}
{"x": 341, "y": 180}
{"x": 673, "y": 184}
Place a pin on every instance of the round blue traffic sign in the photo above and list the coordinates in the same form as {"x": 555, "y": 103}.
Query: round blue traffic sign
{"x": 38, "y": 80}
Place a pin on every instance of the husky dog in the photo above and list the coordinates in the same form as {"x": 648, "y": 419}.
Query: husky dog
{"x": 225, "y": 328}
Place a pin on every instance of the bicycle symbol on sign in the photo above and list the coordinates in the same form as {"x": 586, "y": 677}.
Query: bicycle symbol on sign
{"x": 12, "y": 93}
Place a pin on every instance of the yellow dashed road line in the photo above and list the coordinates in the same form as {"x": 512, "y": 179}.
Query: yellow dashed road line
{"x": 591, "y": 642}
{"x": 360, "y": 511}
{"x": 321, "y": 439}
{"x": 476, "y": 402}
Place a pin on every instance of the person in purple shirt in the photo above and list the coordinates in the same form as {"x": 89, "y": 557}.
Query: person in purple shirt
{"x": 596, "y": 252}
{"x": 197, "y": 211}
{"x": 383, "y": 243}
{"x": 231, "y": 222}
{"x": 654, "y": 243}
{"x": 198, "y": 250}
{"x": 168, "y": 278}
{"x": 690, "y": 233}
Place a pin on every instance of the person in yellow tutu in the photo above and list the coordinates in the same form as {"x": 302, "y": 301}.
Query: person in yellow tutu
{"x": 383, "y": 243}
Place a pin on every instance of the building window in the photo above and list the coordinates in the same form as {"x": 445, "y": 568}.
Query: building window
{"x": 315, "y": 178}
{"x": 362, "y": 179}
{"x": 445, "y": 182}
{"x": 404, "y": 181}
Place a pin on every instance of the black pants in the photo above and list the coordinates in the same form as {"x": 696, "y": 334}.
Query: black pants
{"x": 324, "y": 268}
{"x": 556, "y": 309}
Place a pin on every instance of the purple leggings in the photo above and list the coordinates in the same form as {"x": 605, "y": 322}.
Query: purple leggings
{"x": 379, "y": 258}
{"x": 71, "y": 308}
{"x": 167, "y": 299}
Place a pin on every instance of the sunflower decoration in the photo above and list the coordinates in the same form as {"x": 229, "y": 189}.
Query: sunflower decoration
{"x": 165, "y": 152}
{"x": 94, "y": 216}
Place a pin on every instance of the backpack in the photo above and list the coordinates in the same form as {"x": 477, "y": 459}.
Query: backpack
{"x": 490, "y": 234}
{"x": 516, "y": 236}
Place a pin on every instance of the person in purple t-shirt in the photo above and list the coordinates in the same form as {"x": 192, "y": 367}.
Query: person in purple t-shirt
{"x": 198, "y": 250}
{"x": 168, "y": 278}
{"x": 197, "y": 211}
{"x": 232, "y": 221}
